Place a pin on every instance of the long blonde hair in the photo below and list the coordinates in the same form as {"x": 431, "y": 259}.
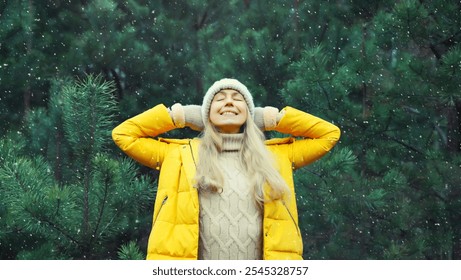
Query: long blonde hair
{"x": 256, "y": 160}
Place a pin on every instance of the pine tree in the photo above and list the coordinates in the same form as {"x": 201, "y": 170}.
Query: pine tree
{"x": 385, "y": 77}
{"x": 21, "y": 54}
{"x": 99, "y": 205}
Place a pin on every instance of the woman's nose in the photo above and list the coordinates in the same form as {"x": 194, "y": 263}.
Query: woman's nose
{"x": 229, "y": 101}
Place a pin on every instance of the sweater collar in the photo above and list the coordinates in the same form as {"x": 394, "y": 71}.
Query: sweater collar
{"x": 232, "y": 142}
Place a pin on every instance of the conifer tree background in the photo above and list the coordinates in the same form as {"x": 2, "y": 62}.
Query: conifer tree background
{"x": 386, "y": 72}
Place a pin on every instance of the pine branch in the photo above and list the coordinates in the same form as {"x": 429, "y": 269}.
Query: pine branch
{"x": 325, "y": 93}
{"x": 408, "y": 146}
{"x": 52, "y": 225}
{"x": 86, "y": 204}
{"x": 130, "y": 251}
{"x": 103, "y": 205}
{"x": 90, "y": 100}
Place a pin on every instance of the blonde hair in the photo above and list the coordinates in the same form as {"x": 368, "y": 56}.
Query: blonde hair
{"x": 255, "y": 159}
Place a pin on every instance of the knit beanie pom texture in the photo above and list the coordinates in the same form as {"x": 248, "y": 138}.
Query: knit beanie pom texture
{"x": 226, "y": 83}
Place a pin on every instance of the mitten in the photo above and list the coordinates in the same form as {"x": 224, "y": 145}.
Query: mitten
{"x": 187, "y": 115}
{"x": 266, "y": 118}
{"x": 193, "y": 116}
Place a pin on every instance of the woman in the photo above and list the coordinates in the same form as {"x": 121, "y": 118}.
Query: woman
{"x": 227, "y": 194}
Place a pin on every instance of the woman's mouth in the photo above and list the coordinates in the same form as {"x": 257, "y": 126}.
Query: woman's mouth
{"x": 228, "y": 113}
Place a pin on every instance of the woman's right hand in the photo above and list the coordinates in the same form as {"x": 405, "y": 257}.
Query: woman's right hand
{"x": 193, "y": 116}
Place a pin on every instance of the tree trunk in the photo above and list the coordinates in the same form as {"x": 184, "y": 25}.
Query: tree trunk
{"x": 366, "y": 94}
{"x": 58, "y": 156}
{"x": 454, "y": 128}
{"x": 118, "y": 84}
{"x": 456, "y": 248}
{"x": 297, "y": 52}
{"x": 27, "y": 96}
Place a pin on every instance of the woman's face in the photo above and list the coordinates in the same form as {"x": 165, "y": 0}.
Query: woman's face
{"x": 228, "y": 111}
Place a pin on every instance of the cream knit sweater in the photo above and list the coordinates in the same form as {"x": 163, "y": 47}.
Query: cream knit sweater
{"x": 230, "y": 221}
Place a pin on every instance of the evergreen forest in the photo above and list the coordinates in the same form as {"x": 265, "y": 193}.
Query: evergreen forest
{"x": 388, "y": 73}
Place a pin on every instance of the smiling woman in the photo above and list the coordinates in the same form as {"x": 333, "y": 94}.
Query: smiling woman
{"x": 228, "y": 111}
{"x": 228, "y": 194}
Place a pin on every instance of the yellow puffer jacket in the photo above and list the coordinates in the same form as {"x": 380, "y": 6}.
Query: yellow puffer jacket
{"x": 175, "y": 227}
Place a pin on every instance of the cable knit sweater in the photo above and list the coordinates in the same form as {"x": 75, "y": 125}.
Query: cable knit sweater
{"x": 230, "y": 221}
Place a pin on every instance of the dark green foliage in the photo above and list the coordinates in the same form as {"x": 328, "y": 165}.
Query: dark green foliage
{"x": 90, "y": 102}
{"x": 386, "y": 72}
{"x": 130, "y": 251}
{"x": 101, "y": 201}
{"x": 393, "y": 90}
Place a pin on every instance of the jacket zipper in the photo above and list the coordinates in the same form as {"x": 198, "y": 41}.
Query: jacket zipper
{"x": 292, "y": 218}
{"x": 159, "y": 210}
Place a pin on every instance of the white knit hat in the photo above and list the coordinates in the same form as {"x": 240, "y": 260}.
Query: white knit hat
{"x": 226, "y": 83}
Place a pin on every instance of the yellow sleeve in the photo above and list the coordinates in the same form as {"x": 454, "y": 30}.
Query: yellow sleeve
{"x": 134, "y": 136}
{"x": 318, "y": 136}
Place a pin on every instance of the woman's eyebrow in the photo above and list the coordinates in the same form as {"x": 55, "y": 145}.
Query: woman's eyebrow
{"x": 233, "y": 94}
{"x": 219, "y": 94}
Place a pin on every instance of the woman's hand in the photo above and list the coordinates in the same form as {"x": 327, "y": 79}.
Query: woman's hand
{"x": 187, "y": 115}
{"x": 266, "y": 118}
{"x": 193, "y": 116}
